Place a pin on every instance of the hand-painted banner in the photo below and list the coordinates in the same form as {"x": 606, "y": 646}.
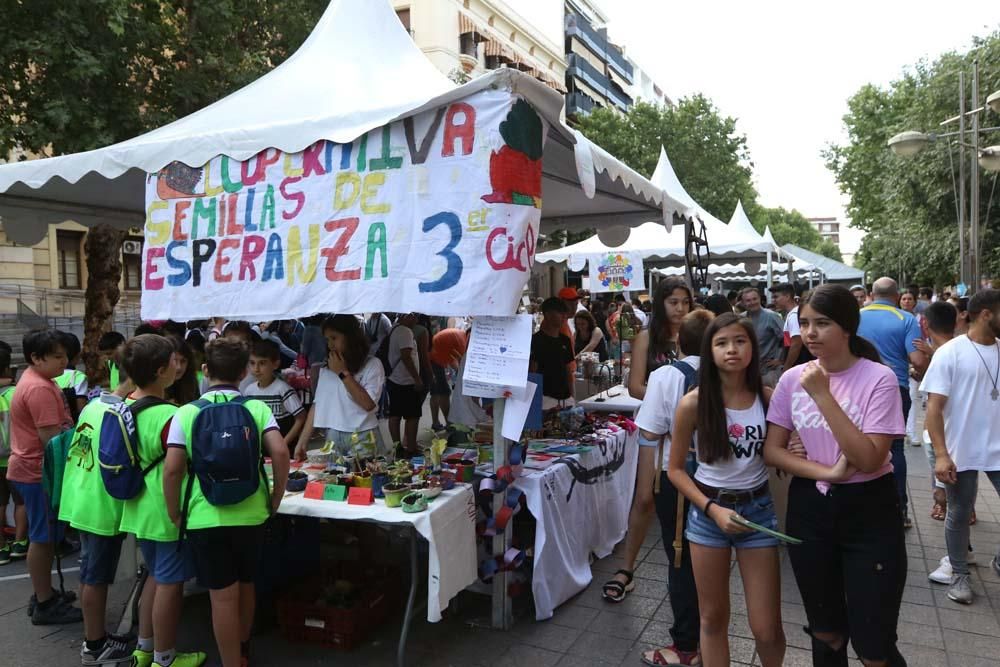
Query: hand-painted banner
{"x": 616, "y": 272}
{"x": 437, "y": 213}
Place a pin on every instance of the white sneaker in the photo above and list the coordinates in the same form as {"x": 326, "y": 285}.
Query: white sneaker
{"x": 944, "y": 574}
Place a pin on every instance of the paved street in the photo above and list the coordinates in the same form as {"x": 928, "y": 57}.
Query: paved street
{"x": 934, "y": 631}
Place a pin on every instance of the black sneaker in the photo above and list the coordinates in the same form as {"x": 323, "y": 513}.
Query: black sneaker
{"x": 69, "y": 597}
{"x": 58, "y": 613}
{"x": 113, "y": 652}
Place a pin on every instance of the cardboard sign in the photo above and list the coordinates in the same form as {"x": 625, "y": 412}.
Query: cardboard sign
{"x": 360, "y": 496}
{"x": 335, "y": 492}
{"x": 315, "y": 490}
{"x": 437, "y": 213}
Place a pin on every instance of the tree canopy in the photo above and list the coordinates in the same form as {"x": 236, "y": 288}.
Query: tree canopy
{"x": 908, "y": 206}
{"x": 80, "y": 75}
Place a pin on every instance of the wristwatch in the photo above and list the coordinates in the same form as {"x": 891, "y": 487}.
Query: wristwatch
{"x": 342, "y": 374}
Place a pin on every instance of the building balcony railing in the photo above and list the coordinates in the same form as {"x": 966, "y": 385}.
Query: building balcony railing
{"x": 578, "y": 104}
{"x": 582, "y": 68}
{"x": 577, "y": 26}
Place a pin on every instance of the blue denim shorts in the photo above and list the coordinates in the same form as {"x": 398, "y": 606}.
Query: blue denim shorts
{"x": 99, "y": 556}
{"x": 166, "y": 563}
{"x": 704, "y": 531}
{"x": 42, "y": 525}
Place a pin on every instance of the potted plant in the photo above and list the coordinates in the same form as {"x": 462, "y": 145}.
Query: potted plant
{"x": 376, "y": 467}
{"x": 400, "y": 476}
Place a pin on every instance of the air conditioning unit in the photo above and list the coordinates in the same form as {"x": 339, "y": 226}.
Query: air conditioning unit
{"x": 132, "y": 247}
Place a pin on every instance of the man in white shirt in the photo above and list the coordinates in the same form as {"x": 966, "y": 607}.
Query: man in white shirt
{"x": 406, "y": 389}
{"x": 795, "y": 351}
{"x": 962, "y": 384}
{"x": 377, "y": 326}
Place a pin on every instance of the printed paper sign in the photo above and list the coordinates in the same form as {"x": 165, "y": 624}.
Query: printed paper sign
{"x": 616, "y": 272}
{"x": 437, "y": 213}
{"x": 497, "y": 361}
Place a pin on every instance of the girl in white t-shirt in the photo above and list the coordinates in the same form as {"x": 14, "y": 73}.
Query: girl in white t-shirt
{"x": 727, "y": 411}
{"x": 347, "y": 393}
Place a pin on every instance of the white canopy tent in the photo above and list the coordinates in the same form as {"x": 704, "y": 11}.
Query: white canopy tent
{"x": 358, "y": 70}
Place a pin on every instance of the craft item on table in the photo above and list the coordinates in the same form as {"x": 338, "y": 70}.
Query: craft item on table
{"x": 436, "y": 451}
{"x": 315, "y": 490}
{"x": 296, "y": 481}
{"x": 363, "y": 479}
{"x": 433, "y": 488}
{"x": 572, "y": 418}
{"x": 360, "y": 496}
{"x": 414, "y": 502}
{"x": 447, "y": 480}
{"x": 539, "y": 461}
{"x": 568, "y": 449}
{"x": 394, "y": 493}
{"x": 335, "y": 492}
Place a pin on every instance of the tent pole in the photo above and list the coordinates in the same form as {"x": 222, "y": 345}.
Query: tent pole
{"x": 502, "y": 616}
{"x": 770, "y": 275}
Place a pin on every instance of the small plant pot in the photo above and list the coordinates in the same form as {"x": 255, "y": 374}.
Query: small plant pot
{"x": 363, "y": 479}
{"x": 394, "y": 494}
{"x": 297, "y": 482}
{"x": 379, "y": 480}
{"x": 465, "y": 470}
{"x": 447, "y": 480}
{"x": 346, "y": 479}
{"x": 431, "y": 492}
{"x": 413, "y": 503}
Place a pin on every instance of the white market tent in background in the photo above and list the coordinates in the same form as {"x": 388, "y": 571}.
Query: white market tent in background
{"x": 358, "y": 70}
{"x": 733, "y": 242}
{"x": 833, "y": 271}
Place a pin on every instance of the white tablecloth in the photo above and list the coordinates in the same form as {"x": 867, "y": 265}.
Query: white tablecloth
{"x": 448, "y": 525}
{"x": 581, "y": 504}
{"x": 616, "y": 399}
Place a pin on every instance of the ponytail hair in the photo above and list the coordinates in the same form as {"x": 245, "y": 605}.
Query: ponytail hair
{"x": 837, "y": 303}
{"x": 863, "y": 348}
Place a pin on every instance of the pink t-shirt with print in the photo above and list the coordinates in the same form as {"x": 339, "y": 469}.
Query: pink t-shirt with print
{"x": 868, "y": 393}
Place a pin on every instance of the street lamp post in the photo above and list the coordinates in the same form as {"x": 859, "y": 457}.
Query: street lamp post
{"x": 910, "y": 143}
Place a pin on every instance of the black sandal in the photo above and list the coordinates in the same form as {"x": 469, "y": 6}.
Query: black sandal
{"x": 615, "y": 591}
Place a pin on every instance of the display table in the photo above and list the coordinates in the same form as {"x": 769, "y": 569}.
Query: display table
{"x": 448, "y": 525}
{"x": 615, "y": 399}
{"x": 581, "y": 504}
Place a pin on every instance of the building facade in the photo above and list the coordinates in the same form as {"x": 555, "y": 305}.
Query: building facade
{"x": 465, "y": 38}
{"x": 828, "y": 228}
{"x": 597, "y": 71}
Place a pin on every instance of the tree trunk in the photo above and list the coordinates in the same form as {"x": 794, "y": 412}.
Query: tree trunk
{"x": 103, "y": 251}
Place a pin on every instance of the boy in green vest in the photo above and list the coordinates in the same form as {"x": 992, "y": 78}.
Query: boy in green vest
{"x": 225, "y": 539}
{"x": 108, "y": 348}
{"x": 149, "y": 360}
{"x": 86, "y": 506}
{"x": 19, "y": 547}
{"x": 73, "y": 383}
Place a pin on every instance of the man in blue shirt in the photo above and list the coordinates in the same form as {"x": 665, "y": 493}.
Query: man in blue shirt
{"x": 893, "y": 332}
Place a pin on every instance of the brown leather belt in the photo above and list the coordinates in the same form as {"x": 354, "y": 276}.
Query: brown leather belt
{"x": 730, "y": 496}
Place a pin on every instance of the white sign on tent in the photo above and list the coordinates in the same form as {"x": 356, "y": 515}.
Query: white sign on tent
{"x": 437, "y": 213}
{"x": 616, "y": 272}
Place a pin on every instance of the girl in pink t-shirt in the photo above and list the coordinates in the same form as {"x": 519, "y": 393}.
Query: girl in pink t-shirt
{"x": 842, "y": 502}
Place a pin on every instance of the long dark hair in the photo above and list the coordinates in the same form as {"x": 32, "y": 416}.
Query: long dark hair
{"x": 356, "y": 348}
{"x": 185, "y": 388}
{"x": 713, "y": 430}
{"x": 661, "y": 332}
{"x": 837, "y": 303}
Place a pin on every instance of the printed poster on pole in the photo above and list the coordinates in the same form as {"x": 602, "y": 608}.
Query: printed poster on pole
{"x": 436, "y": 213}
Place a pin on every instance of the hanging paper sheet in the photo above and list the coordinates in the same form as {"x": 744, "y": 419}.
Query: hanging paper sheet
{"x": 437, "y": 213}
{"x": 616, "y": 272}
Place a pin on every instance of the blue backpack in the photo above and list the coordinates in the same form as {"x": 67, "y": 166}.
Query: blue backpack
{"x": 225, "y": 452}
{"x": 118, "y": 452}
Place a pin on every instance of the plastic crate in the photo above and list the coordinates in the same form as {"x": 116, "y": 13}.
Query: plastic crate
{"x": 301, "y": 619}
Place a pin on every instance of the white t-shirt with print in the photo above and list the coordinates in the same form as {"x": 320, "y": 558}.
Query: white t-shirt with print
{"x": 400, "y": 339}
{"x": 744, "y": 469}
{"x": 971, "y": 416}
{"x": 337, "y": 410}
{"x": 792, "y": 326}
{"x": 664, "y": 391}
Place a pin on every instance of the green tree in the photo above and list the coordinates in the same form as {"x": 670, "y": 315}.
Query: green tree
{"x": 907, "y": 206}
{"x": 81, "y": 75}
{"x": 710, "y": 157}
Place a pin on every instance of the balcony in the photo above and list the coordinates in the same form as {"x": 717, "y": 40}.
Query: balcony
{"x": 577, "y": 26}
{"x": 578, "y": 104}
{"x": 582, "y": 69}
